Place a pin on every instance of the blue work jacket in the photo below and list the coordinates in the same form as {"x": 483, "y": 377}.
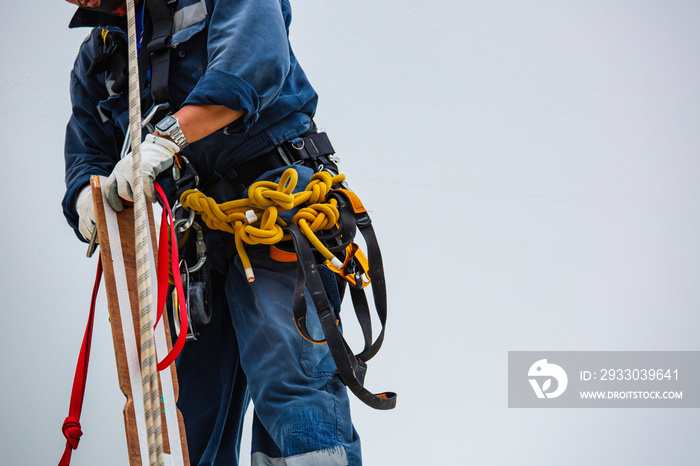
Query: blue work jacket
{"x": 234, "y": 53}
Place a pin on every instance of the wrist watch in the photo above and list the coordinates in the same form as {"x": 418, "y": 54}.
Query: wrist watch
{"x": 170, "y": 126}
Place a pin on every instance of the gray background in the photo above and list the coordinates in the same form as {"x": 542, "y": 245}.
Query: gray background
{"x": 533, "y": 171}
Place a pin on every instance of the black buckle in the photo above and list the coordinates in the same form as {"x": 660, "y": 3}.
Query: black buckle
{"x": 362, "y": 220}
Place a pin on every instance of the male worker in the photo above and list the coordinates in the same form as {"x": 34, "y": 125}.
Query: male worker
{"x": 237, "y": 93}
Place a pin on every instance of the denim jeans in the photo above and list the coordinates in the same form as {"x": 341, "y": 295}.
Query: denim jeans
{"x": 251, "y": 350}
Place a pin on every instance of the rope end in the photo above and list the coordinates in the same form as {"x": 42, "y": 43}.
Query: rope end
{"x": 251, "y": 217}
{"x": 249, "y": 274}
{"x": 336, "y": 263}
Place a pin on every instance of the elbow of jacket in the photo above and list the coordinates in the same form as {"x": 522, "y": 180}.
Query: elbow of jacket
{"x": 271, "y": 77}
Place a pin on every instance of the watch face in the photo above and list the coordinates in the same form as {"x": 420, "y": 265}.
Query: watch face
{"x": 166, "y": 123}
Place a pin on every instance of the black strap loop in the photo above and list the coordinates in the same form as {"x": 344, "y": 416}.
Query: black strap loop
{"x": 309, "y": 147}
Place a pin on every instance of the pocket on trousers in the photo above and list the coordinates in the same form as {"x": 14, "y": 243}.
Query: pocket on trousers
{"x": 316, "y": 360}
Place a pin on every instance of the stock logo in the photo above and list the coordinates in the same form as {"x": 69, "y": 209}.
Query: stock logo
{"x": 542, "y": 373}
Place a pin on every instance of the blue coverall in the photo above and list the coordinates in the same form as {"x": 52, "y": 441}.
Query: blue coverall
{"x": 234, "y": 53}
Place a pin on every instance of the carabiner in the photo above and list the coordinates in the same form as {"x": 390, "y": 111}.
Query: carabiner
{"x": 155, "y": 110}
{"x": 183, "y": 224}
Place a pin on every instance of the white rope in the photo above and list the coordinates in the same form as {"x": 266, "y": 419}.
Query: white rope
{"x": 149, "y": 373}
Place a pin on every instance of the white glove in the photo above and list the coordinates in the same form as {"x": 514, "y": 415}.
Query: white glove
{"x": 86, "y": 212}
{"x": 156, "y": 155}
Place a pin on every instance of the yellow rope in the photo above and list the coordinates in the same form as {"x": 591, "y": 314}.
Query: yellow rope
{"x": 255, "y": 219}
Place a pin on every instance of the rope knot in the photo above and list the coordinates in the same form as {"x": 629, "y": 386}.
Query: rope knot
{"x": 266, "y": 194}
{"x": 71, "y": 431}
{"x": 267, "y": 199}
{"x": 318, "y": 216}
{"x": 267, "y": 232}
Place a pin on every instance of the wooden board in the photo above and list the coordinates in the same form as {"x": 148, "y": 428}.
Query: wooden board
{"x": 117, "y": 248}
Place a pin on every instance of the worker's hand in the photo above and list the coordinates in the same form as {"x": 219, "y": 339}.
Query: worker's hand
{"x": 86, "y": 213}
{"x": 156, "y": 155}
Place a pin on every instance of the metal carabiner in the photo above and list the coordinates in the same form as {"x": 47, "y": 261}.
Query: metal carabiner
{"x": 185, "y": 174}
{"x": 156, "y": 109}
{"x": 201, "y": 249}
{"x": 192, "y": 333}
{"x": 183, "y": 224}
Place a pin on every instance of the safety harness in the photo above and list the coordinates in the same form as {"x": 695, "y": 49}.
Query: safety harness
{"x": 321, "y": 232}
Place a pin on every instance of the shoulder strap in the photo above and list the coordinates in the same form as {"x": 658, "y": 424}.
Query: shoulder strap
{"x": 157, "y": 32}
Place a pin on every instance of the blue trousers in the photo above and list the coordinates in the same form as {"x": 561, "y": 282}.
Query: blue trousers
{"x": 251, "y": 350}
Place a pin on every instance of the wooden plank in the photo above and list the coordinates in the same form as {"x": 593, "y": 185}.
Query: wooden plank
{"x": 117, "y": 247}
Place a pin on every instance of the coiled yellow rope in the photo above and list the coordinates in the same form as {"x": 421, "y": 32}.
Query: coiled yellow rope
{"x": 255, "y": 219}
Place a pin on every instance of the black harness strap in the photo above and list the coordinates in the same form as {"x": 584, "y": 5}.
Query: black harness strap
{"x": 309, "y": 148}
{"x": 157, "y": 32}
{"x": 362, "y": 221}
{"x": 351, "y": 368}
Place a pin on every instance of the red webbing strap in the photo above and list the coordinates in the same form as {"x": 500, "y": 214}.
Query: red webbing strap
{"x": 167, "y": 263}
{"x": 71, "y": 426}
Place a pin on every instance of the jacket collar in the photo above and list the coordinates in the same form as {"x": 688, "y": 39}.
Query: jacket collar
{"x": 87, "y": 18}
